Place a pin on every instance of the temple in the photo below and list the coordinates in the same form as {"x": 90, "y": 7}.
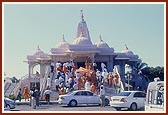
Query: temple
{"x": 82, "y": 50}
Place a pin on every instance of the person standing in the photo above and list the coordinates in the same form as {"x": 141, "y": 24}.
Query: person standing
{"x": 33, "y": 100}
{"x": 49, "y": 81}
{"x": 87, "y": 85}
{"x": 93, "y": 88}
{"x": 57, "y": 82}
{"x": 26, "y": 93}
{"x": 19, "y": 96}
{"x": 52, "y": 66}
{"x": 31, "y": 94}
{"x": 37, "y": 96}
{"x": 102, "y": 95}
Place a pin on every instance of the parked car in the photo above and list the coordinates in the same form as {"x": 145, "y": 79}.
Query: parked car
{"x": 79, "y": 97}
{"x": 8, "y": 103}
{"x": 132, "y": 100}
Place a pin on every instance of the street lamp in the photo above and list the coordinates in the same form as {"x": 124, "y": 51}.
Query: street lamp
{"x": 128, "y": 76}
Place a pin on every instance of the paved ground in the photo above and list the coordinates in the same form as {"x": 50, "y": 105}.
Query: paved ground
{"x": 55, "y": 107}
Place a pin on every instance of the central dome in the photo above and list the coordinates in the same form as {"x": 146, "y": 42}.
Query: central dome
{"x": 82, "y": 41}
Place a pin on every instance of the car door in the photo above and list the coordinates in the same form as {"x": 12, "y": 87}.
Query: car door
{"x": 80, "y": 97}
{"x": 84, "y": 98}
{"x": 139, "y": 98}
{"x": 92, "y": 99}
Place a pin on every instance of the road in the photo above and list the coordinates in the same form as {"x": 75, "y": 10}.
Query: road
{"x": 58, "y": 108}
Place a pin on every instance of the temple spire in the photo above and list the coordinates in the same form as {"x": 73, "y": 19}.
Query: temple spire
{"x": 100, "y": 38}
{"x": 126, "y": 47}
{"x": 82, "y": 17}
{"x": 63, "y": 39}
{"x": 38, "y": 48}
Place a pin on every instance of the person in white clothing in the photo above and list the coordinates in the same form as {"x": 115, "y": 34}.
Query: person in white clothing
{"x": 49, "y": 81}
{"x": 75, "y": 86}
{"x": 103, "y": 66}
{"x": 102, "y": 95}
{"x": 87, "y": 85}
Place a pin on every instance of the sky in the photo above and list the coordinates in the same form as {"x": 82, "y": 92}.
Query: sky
{"x": 25, "y": 26}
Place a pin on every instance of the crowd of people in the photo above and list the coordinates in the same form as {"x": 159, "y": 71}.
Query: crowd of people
{"x": 68, "y": 78}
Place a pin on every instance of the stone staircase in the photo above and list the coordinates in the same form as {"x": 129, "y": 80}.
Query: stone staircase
{"x": 55, "y": 94}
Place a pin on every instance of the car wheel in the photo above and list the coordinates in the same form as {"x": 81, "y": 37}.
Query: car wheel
{"x": 106, "y": 102}
{"x": 8, "y": 106}
{"x": 133, "y": 107}
{"x": 117, "y": 108}
{"x": 73, "y": 103}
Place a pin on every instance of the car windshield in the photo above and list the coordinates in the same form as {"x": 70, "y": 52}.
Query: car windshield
{"x": 124, "y": 94}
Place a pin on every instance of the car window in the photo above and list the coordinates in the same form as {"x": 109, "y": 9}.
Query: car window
{"x": 77, "y": 93}
{"x": 83, "y": 93}
{"x": 89, "y": 93}
{"x": 139, "y": 94}
{"x": 124, "y": 94}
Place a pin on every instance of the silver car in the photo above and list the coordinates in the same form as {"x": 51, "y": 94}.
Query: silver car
{"x": 8, "y": 103}
{"x": 79, "y": 97}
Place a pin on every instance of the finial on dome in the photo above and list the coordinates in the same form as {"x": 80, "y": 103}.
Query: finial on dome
{"x": 63, "y": 39}
{"x": 82, "y": 14}
{"x": 38, "y": 48}
{"x": 100, "y": 38}
{"x": 126, "y": 47}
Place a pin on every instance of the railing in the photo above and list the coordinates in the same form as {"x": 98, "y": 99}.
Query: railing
{"x": 42, "y": 88}
{"x": 18, "y": 85}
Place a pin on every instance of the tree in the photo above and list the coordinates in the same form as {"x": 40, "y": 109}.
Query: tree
{"x": 139, "y": 66}
{"x": 151, "y": 73}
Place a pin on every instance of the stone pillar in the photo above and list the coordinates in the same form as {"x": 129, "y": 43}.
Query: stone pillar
{"x": 92, "y": 57}
{"x": 122, "y": 72}
{"x": 29, "y": 69}
{"x": 110, "y": 65}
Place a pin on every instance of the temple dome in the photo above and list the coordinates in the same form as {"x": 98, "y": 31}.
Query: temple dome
{"x": 63, "y": 44}
{"x": 127, "y": 51}
{"x": 82, "y": 40}
{"x": 39, "y": 52}
{"x": 102, "y": 44}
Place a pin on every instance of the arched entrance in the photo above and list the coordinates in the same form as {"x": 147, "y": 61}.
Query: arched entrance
{"x": 80, "y": 61}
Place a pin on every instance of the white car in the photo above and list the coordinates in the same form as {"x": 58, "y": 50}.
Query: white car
{"x": 132, "y": 100}
{"x": 79, "y": 97}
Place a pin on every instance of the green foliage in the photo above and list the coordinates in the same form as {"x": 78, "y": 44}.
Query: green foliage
{"x": 152, "y": 72}
{"x": 149, "y": 72}
{"x": 12, "y": 97}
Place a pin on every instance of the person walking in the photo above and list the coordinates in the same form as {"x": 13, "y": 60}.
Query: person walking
{"x": 102, "y": 95}
{"x": 33, "y": 100}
